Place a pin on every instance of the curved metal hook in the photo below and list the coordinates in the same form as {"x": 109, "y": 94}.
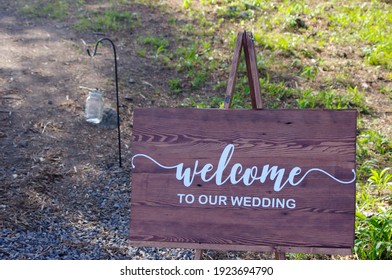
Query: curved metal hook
{"x": 116, "y": 80}
{"x": 97, "y": 44}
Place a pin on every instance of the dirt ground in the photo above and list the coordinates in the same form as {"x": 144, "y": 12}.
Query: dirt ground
{"x": 46, "y": 145}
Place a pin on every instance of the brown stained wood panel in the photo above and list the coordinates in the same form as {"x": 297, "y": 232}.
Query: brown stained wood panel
{"x": 324, "y": 210}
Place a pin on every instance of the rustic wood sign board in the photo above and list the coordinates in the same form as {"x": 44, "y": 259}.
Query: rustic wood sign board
{"x": 205, "y": 178}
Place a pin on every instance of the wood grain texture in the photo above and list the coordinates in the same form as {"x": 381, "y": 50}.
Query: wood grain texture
{"x": 323, "y": 216}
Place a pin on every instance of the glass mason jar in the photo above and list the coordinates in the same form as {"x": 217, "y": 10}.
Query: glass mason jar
{"x": 94, "y": 107}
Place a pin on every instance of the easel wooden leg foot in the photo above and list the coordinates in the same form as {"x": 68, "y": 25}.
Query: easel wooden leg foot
{"x": 198, "y": 254}
{"x": 279, "y": 255}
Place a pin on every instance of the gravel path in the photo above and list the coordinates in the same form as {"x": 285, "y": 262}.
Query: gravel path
{"x": 94, "y": 226}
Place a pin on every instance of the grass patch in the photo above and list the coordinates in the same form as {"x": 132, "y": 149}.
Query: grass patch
{"x": 380, "y": 54}
{"x": 56, "y": 10}
{"x": 370, "y": 23}
{"x": 330, "y": 99}
{"x": 175, "y": 85}
{"x": 109, "y": 19}
{"x": 158, "y": 45}
{"x": 374, "y": 235}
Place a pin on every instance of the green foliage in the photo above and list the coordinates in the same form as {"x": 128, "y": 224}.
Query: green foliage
{"x": 286, "y": 42}
{"x": 370, "y": 143}
{"x": 175, "y": 85}
{"x": 186, "y": 4}
{"x": 373, "y": 227}
{"x": 202, "y": 103}
{"x": 365, "y": 200}
{"x": 370, "y": 23}
{"x": 236, "y": 10}
{"x": 330, "y": 99}
{"x": 310, "y": 72}
{"x": 380, "y": 54}
{"x": 113, "y": 20}
{"x": 387, "y": 91}
{"x": 381, "y": 180}
{"x": 194, "y": 61}
{"x": 277, "y": 95}
{"x": 109, "y": 20}
{"x": 55, "y": 10}
{"x": 159, "y": 45}
{"x": 374, "y": 235}
{"x": 373, "y": 151}
{"x": 199, "y": 79}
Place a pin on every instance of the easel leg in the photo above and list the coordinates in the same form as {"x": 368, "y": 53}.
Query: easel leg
{"x": 198, "y": 254}
{"x": 279, "y": 255}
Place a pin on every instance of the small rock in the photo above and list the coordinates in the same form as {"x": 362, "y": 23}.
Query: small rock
{"x": 147, "y": 83}
{"x": 23, "y": 143}
{"x": 128, "y": 97}
{"x": 365, "y": 85}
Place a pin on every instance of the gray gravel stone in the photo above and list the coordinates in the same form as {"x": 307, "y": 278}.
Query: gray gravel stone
{"x": 94, "y": 225}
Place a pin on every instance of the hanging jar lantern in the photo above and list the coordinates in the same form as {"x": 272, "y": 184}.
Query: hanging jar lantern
{"x": 116, "y": 79}
{"x": 94, "y": 107}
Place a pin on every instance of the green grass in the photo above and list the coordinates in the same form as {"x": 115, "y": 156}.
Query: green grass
{"x": 370, "y": 23}
{"x": 158, "y": 45}
{"x": 371, "y": 143}
{"x": 330, "y": 99}
{"x": 113, "y": 18}
{"x": 56, "y": 10}
{"x": 107, "y": 20}
{"x": 380, "y": 54}
{"x": 381, "y": 180}
{"x": 175, "y": 85}
{"x": 374, "y": 235}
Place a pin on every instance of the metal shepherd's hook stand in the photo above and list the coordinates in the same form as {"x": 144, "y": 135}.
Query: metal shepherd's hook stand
{"x": 116, "y": 79}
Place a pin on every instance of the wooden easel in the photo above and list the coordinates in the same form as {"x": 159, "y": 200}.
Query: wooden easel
{"x": 244, "y": 41}
{"x": 148, "y": 200}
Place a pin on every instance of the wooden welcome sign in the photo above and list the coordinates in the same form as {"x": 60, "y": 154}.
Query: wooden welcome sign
{"x": 244, "y": 179}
